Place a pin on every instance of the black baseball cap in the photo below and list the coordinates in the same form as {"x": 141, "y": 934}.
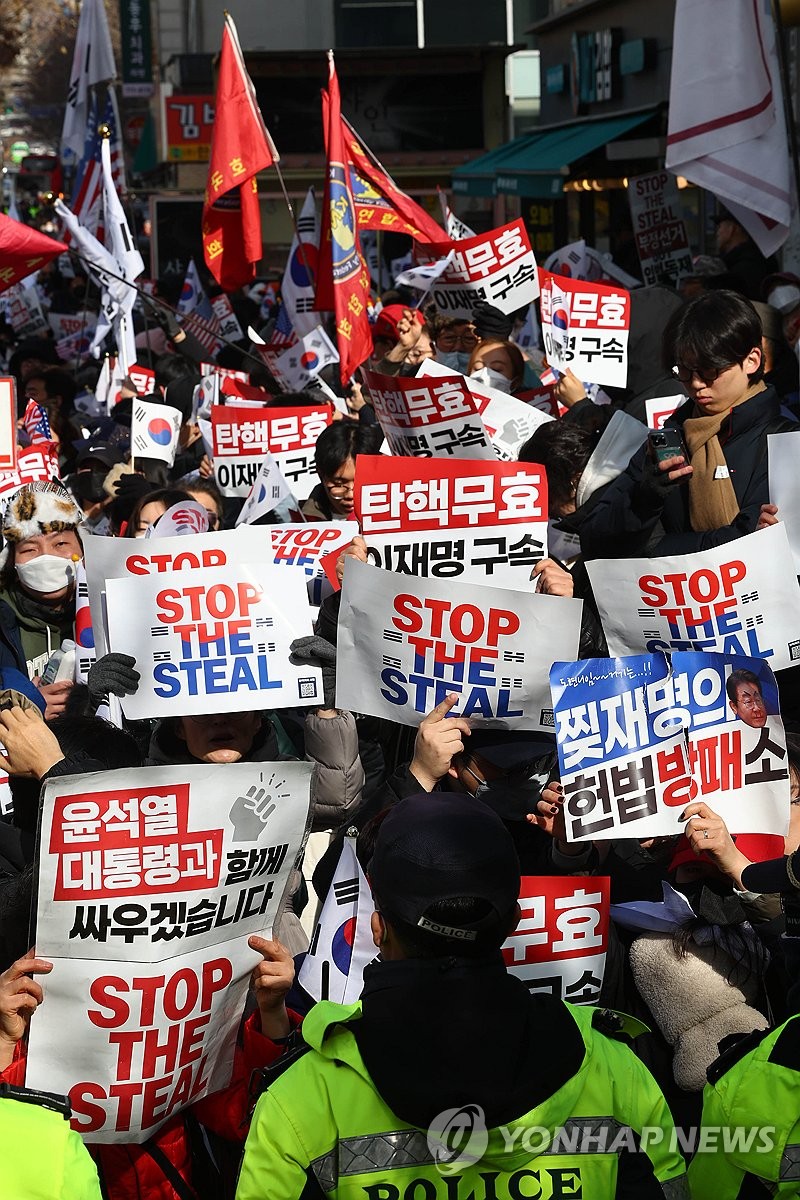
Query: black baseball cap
{"x": 442, "y": 846}
{"x": 773, "y": 876}
{"x": 107, "y": 455}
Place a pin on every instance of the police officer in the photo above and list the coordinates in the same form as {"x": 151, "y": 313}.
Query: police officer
{"x": 42, "y": 1159}
{"x": 750, "y": 1130}
{"x": 449, "y": 1080}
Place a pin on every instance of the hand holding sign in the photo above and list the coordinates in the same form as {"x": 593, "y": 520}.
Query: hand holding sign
{"x": 438, "y": 739}
{"x": 250, "y": 813}
{"x": 20, "y": 996}
{"x": 271, "y": 980}
{"x": 708, "y": 834}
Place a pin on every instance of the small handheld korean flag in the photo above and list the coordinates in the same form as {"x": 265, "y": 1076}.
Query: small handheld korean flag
{"x": 84, "y": 633}
{"x": 270, "y": 493}
{"x": 341, "y": 946}
{"x": 154, "y": 431}
{"x": 302, "y": 362}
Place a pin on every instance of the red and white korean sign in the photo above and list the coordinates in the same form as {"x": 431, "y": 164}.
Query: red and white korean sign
{"x": 303, "y": 546}
{"x": 150, "y": 883}
{"x": 426, "y": 418}
{"x": 561, "y": 941}
{"x": 498, "y": 266}
{"x": 8, "y": 424}
{"x": 35, "y": 465}
{"x": 241, "y": 437}
{"x": 658, "y": 409}
{"x": 585, "y": 327}
{"x": 661, "y": 241}
{"x": 479, "y": 522}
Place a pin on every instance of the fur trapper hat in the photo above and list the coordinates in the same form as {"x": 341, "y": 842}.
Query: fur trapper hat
{"x": 35, "y": 509}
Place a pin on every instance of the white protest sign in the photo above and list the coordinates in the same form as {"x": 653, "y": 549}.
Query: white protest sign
{"x": 508, "y": 421}
{"x": 217, "y": 641}
{"x": 784, "y": 486}
{"x": 241, "y": 436}
{"x": 229, "y": 326}
{"x": 658, "y": 409}
{"x": 640, "y": 737}
{"x": 585, "y": 327}
{"x": 421, "y": 418}
{"x": 498, "y": 266}
{"x": 740, "y": 598}
{"x": 150, "y": 883}
{"x": 658, "y": 228}
{"x": 302, "y": 547}
{"x": 405, "y": 643}
{"x": 559, "y": 946}
{"x": 476, "y": 522}
{"x": 131, "y": 558}
{"x": 24, "y": 310}
{"x": 8, "y": 424}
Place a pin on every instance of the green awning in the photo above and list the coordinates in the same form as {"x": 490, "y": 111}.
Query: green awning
{"x": 536, "y": 164}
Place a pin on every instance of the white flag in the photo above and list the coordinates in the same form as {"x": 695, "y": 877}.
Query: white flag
{"x": 341, "y": 945}
{"x": 302, "y": 363}
{"x": 727, "y": 130}
{"x": 270, "y": 493}
{"x": 116, "y": 296}
{"x": 297, "y": 288}
{"x": 154, "y": 431}
{"x": 423, "y": 278}
{"x": 118, "y": 236}
{"x": 457, "y": 230}
{"x": 92, "y": 62}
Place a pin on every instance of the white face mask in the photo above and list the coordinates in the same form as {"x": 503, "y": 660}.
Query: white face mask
{"x": 456, "y": 360}
{"x": 492, "y": 379}
{"x": 47, "y": 573}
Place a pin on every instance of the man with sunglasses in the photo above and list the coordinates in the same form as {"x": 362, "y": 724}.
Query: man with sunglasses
{"x": 713, "y": 493}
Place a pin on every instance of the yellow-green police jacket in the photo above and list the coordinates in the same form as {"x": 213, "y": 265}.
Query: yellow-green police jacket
{"x": 41, "y": 1157}
{"x": 322, "y": 1128}
{"x": 751, "y": 1118}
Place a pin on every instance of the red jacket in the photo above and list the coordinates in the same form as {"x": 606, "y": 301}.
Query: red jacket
{"x": 127, "y": 1170}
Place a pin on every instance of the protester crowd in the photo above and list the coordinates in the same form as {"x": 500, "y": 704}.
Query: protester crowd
{"x": 448, "y": 815}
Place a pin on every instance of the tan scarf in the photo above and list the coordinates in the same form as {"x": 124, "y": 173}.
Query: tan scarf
{"x": 712, "y": 499}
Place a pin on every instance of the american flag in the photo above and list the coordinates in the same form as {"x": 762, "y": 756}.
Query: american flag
{"x": 283, "y": 335}
{"x": 194, "y": 303}
{"x": 36, "y": 424}
{"x": 86, "y": 198}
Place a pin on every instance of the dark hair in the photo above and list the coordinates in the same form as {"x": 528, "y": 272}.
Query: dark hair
{"x": 514, "y": 353}
{"x": 711, "y": 332}
{"x": 344, "y": 440}
{"x": 737, "y": 678}
{"x": 563, "y": 449}
{"x": 96, "y": 739}
{"x": 57, "y": 383}
{"x": 169, "y": 368}
{"x": 167, "y": 496}
{"x": 459, "y": 911}
{"x": 309, "y": 398}
{"x": 196, "y": 483}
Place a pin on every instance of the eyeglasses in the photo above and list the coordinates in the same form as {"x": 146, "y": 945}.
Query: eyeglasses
{"x": 449, "y": 340}
{"x": 687, "y": 374}
{"x": 750, "y": 702}
{"x": 340, "y": 487}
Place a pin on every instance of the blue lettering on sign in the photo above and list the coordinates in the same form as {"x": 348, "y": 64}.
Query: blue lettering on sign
{"x": 197, "y": 677}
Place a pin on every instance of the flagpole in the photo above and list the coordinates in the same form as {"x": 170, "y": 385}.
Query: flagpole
{"x": 199, "y": 320}
{"x": 289, "y": 205}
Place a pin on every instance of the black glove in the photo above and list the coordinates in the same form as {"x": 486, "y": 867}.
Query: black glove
{"x": 655, "y": 486}
{"x": 164, "y": 317}
{"x": 317, "y": 652}
{"x": 130, "y": 488}
{"x": 490, "y": 322}
{"x": 113, "y": 674}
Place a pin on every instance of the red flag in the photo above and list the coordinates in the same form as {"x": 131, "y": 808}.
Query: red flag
{"x": 23, "y": 250}
{"x": 342, "y": 275}
{"x": 240, "y": 148}
{"x": 379, "y": 202}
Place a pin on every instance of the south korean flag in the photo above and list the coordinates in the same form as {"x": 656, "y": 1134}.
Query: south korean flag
{"x": 154, "y": 431}
{"x": 341, "y": 945}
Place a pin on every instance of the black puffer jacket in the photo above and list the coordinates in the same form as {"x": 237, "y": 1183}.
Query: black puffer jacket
{"x": 628, "y": 521}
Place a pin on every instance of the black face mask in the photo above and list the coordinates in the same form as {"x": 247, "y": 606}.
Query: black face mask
{"x": 88, "y": 485}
